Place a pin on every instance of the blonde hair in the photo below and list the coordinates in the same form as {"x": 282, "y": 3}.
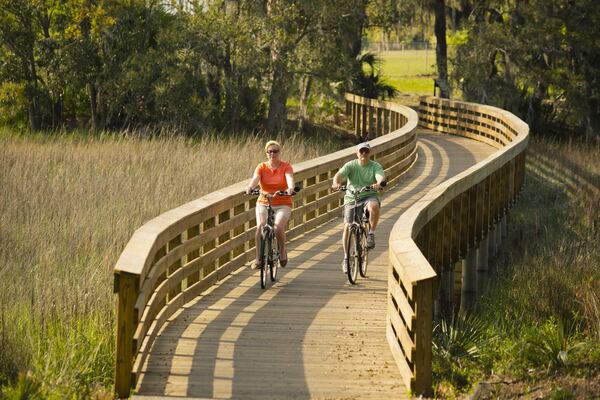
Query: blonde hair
{"x": 272, "y": 143}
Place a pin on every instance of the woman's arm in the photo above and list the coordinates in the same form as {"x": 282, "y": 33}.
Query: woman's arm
{"x": 289, "y": 178}
{"x": 253, "y": 182}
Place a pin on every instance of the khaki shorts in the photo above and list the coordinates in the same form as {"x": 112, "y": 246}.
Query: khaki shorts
{"x": 281, "y": 212}
{"x": 348, "y": 208}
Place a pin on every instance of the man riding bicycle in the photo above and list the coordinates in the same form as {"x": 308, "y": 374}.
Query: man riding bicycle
{"x": 360, "y": 173}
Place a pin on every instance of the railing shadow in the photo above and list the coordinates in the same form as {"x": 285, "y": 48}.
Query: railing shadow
{"x": 254, "y": 346}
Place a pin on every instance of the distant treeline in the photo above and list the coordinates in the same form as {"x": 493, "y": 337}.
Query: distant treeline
{"x": 214, "y": 63}
{"x": 234, "y": 64}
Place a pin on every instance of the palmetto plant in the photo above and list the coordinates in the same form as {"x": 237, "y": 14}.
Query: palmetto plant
{"x": 459, "y": 338}
{"x": 551, "y": 346}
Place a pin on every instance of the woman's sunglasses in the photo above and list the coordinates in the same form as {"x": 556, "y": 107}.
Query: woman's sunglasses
{"x": 364, "y": 151}
{"x": 272, "y": 151}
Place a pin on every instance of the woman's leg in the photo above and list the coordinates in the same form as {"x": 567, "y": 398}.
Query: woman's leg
{"x": 261, "y": 220}
{"x": 282, "y": 216}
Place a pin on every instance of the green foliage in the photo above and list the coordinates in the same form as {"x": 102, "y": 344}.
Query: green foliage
{"x": 550, "y": 346}
{"x": 216, "y": 64}
{"x": 561, "y": 394}
{"x": 26, "y": 388}
{"x": 370, "y": 81}
{"x": 540, "y": 313}
{"x": 555, "y": 87}
{"x": 12, "y": 103}
{"x": 457, "y": 342}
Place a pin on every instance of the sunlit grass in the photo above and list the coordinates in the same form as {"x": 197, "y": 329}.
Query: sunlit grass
{"x": 544, "y": 303}
{"x": 68, "y": 205}
{"x": 409, "y": 71}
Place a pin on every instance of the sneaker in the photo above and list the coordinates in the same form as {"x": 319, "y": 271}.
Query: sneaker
{"x": 255, "y": 265}
{"x": 345, "y": 265}
{"x": 370, "y": 241}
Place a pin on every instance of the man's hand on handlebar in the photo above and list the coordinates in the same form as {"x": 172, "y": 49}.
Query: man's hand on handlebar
{"x": 379, "y": 186}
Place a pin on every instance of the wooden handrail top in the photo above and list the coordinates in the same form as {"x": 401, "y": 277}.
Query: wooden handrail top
{"x": 139, "y": 252}
{"x": 412, "y": 220}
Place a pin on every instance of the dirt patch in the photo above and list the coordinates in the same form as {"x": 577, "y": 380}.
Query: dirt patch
{"x": 556, "y": 387}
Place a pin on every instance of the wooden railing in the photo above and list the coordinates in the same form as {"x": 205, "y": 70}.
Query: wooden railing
{"x": 461, "y": 220}
{"x": 176, "y": 256}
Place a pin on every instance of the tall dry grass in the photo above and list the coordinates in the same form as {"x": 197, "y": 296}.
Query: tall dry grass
{"x": 68, "y": 206}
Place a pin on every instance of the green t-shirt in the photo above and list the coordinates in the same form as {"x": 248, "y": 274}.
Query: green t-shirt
{"x": 359, "y": 176}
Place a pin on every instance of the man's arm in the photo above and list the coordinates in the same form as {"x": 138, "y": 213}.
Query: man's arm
{"x": 335, "y": 185}
{"x": 379, "y": 177}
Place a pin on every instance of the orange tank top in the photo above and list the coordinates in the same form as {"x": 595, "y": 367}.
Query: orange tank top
{"x": 273, "y": 180}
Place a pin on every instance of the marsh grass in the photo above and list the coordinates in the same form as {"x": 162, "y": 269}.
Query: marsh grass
{"x": 543, "y": 306}
{"x": 68, "y": 205}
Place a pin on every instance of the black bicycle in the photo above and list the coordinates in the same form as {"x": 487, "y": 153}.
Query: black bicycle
{"x": 268, "y": 251}
{"x": 357, "y": 250}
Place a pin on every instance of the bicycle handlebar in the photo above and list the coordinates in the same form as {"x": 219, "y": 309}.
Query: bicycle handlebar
{"x": 257, "y": 192}
{"x": 343, "y": 188}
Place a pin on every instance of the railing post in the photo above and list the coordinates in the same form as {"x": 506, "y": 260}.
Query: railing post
{"x": 482, "y": 264}
{"x": 379, "y": 129}
{"x": 423, "y": 295}
{"x": 127, "y": 286}
{"x": 386, "y": 121}
{"x": 469, "y": 281}
{"x": 357, "y": 114}
{"x": 363, "y": 120}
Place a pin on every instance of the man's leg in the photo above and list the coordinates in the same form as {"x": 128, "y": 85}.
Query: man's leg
{"x": 373, "y": 207}
{"x": 344, "y": 240}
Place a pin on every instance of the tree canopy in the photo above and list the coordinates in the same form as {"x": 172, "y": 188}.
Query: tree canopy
{"x": 536, "y": 58}
{"x": 213, "y": 63}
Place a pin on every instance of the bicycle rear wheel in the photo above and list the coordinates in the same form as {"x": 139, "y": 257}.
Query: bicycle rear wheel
{"x": 263, "y": 254}
{"x": 364, "y": 253}
{"x": 353, "y": 255}
{"x": 273, "y": 257}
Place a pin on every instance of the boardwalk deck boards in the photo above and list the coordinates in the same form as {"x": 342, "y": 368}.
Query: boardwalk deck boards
{"x": 311, "y": 334}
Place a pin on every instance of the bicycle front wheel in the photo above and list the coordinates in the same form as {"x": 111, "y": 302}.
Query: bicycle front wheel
{"x": 263, "y": 254}
{"x": 353, "y": 255}
{"x": 364, "y": 253}
{"x": 273, "y": 257}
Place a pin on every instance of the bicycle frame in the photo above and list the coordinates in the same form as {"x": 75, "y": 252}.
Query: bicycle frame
{"x": 269, "y": 243}
{"x": 357, "y": 236}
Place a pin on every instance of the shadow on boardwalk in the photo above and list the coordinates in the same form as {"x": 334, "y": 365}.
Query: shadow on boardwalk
{"x": 309, "y": 335}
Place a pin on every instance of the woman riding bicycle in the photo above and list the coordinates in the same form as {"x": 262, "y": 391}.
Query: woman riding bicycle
{"x": 360, "y": 173}
{"x": 272, "y": 176}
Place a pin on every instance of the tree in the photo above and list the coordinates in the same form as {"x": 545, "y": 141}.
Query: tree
{"x": 18, "y": 34}
{"x": 538, "y": 59}
{"x": 441, "y": 49}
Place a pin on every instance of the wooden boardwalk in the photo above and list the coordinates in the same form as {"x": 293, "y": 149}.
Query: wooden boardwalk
{"x": 311, "y": 334}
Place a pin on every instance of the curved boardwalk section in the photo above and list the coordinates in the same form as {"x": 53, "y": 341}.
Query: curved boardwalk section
{"x": 311, "y": 334}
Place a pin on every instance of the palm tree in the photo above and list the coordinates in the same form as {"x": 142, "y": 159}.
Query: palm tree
{"x": 368, "y": 80}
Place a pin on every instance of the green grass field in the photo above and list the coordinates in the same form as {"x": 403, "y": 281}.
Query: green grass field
{"x": 409, "y": 71}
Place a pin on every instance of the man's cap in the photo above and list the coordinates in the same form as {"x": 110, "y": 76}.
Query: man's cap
{"x": 363, "y": 145}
